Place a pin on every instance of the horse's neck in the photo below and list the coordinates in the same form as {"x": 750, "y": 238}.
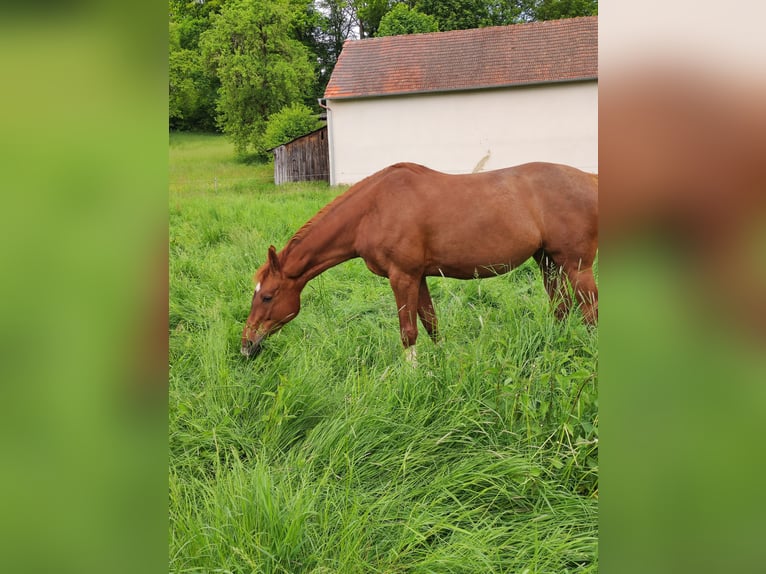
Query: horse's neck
{"x": 322, "y": 244}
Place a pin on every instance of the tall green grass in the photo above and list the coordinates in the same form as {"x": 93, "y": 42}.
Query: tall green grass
{"x": 329, "y": 453}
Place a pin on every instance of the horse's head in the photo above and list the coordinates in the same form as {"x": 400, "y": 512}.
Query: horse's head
{"x": 276, "y": 301}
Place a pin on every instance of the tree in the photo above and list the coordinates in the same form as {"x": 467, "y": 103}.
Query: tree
{"x": 193, "y": 88}
{"x": 287, "y": 124}
{"x": 192, "y": 18}
{"x": 336, "y": 24}
{"x": 369, "y": 13}
{"x": 464, "y": 14}
{"x": 403, "y": 20}
{"x": 341, "y": 20}
{"x": 458, "y": 14}
{"x": 260, "y": 65}
{"x": 307, "y": 29}
{"x": 558, "y": 9}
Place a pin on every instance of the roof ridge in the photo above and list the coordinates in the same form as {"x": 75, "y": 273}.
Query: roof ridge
{"x": 468, "y": 30}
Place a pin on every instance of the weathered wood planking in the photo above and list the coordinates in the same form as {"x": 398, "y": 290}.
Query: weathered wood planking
{"x": 306, "y": 158}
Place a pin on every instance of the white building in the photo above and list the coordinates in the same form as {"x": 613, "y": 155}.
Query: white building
{"x": 466, "y": 100}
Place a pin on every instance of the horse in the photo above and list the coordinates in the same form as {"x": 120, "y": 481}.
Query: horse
{"x": 408, "y": 222}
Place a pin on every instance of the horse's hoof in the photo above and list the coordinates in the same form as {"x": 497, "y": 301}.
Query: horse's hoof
{"x": 412, "y": 356}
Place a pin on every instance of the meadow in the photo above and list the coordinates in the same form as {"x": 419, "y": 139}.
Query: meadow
{"x": 329, "y": 452}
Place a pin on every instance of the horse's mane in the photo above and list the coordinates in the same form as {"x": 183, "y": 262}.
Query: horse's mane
{"x": 353, "y": 191}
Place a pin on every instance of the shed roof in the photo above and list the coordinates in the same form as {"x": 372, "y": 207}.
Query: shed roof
{"x": 537, "y": 52}
{"x": 295, "y": 139}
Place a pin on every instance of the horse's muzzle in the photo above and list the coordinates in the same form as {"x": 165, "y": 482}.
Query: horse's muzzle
{"x": 250, "y": 349}
{"x": 251, "y": 342}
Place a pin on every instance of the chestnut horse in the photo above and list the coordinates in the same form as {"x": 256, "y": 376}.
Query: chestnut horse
{"x": 408, "y": 222}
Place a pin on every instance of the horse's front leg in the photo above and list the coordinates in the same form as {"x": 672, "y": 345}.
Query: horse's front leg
{"x": 407, "y": 292}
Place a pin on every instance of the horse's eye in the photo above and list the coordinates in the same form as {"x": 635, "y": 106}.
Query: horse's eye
{"x": 266, "y": 298}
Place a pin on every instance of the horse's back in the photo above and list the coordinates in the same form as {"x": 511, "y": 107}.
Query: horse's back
{"x": 532, "y": 190}
{"x": 528, "y": 179}
{"x": 455, "y": 224}
{"x": 552, "y": 182}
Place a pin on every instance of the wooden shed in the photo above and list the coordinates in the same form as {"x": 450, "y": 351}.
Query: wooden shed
{"x": 306, "y": 158}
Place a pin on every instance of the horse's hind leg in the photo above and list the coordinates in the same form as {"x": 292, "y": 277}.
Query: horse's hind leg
{"x": 584, "y": 285}
{"x": 555, "y": 286}
{"x": 426, "y": 311}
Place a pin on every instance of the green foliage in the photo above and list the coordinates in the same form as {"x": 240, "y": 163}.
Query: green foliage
{"x": 329, "y": 452}
{"x": 557, "y": 9}
{"x": 193, "y": 18}
{"x": 260, "y": 65}
{"x": 369, "y": 14}
{"x": 192, "y": 91}
{"x": 193, "y": 87}
{"x": 404, "y": 20}
{"x": 465, "y": 14}
{"x": 287, "y": 124}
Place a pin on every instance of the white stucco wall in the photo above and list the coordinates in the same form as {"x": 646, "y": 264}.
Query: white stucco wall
{"x": 452, "y": 132}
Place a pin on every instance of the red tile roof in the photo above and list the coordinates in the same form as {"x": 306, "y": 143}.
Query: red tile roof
{"x": 538, "y": 52}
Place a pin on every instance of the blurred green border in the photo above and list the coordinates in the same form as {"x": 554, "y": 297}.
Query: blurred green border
{"x": 83, "y": 300}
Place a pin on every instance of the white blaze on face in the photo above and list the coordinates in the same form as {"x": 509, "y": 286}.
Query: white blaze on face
{"x": 257, "y": 287}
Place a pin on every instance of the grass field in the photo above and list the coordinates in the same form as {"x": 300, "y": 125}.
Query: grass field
{"x": 329, "y": 453}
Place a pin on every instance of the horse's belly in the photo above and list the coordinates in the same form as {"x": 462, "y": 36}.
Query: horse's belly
{"x": 472, "y": 243}
{"x": 480, "y": 257}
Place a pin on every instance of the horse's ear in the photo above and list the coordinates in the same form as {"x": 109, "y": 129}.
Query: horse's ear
{"x": 274, "y": 260}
